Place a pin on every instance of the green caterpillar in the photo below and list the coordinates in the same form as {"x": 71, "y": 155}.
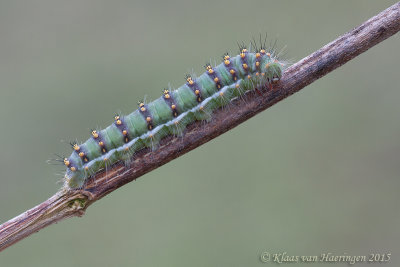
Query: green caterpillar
{"x": 171, "y": 113}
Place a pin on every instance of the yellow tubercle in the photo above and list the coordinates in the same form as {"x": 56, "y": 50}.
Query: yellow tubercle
{"x": 95, "y": 134}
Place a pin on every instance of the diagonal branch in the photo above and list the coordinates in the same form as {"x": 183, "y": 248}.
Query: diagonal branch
{"x": 71, "y": 203}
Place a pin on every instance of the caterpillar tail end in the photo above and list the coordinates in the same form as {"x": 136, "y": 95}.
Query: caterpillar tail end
{"x": 74, "y": 179}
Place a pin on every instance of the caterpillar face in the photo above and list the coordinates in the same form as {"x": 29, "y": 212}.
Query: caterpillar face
{"x": 273, "y": 71}
{"x": 197, "y": 99}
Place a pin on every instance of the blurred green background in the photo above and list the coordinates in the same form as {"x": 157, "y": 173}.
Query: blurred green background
{"x": 318, "y": 172}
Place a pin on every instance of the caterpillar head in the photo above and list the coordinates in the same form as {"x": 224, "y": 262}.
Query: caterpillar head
{"x": 273, "y": 71}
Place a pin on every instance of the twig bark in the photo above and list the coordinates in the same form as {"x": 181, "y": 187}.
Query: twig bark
{"x": 71, "y": 203}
